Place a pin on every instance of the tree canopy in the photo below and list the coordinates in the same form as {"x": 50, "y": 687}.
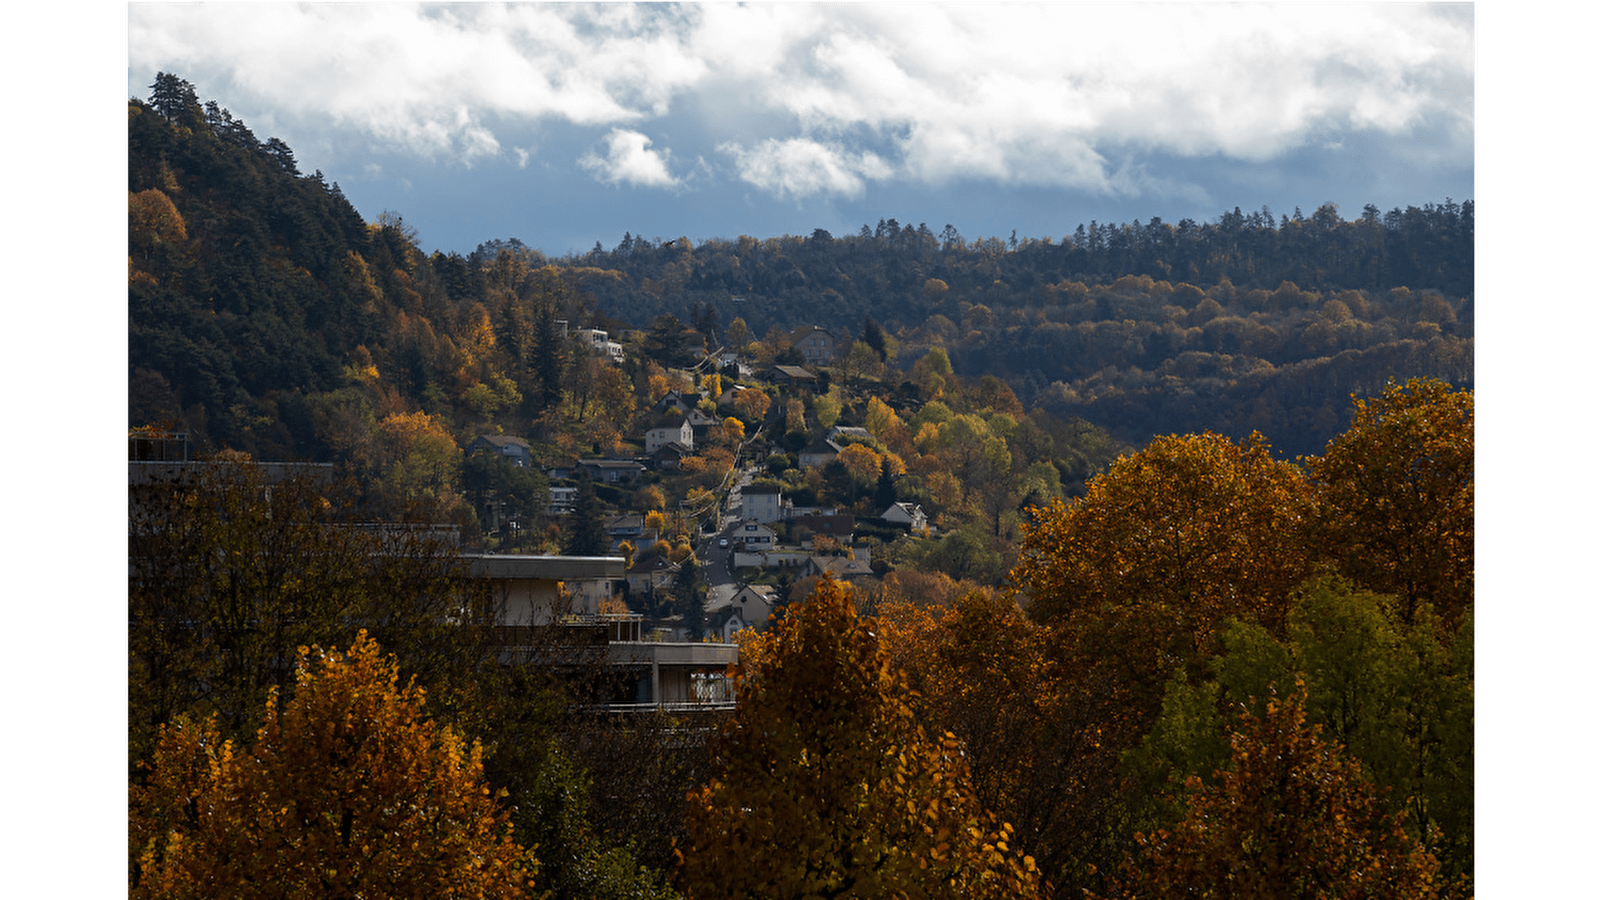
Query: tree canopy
{"x": 348, "y": 790}
{"x": 824, "y": 785}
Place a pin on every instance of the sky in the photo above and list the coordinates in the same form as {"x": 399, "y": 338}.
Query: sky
{"x": 564, "y": 125}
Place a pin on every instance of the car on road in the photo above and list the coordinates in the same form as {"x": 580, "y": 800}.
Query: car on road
{"x": 722, "y": 543}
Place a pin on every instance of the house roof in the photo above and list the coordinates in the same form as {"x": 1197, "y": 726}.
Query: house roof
{"x": 835, "y": 526}
{"x": 764, "y": 592}
{"x": 503, "y": 440}
{"x": 794, "y": 373}
{"x": 841, "y": 566}
{"x": 611, "y": 463}
{"x": 822, "y": 445}
{"x": 652, "y": 565}
{"x": 626, "y": 520}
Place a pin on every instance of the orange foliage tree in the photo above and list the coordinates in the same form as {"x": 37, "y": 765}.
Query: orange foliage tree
{"x": 752, "y": 404}
{"x": 1043, "y": 749}
{"x": 349, "y": 790}
{"x": 1395, "y": 496}
{"x": 1166, "y": 546}
{"x": 824, "y": 785}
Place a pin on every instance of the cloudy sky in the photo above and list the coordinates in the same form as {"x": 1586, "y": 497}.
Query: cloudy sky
{"x": 564, "y": 124}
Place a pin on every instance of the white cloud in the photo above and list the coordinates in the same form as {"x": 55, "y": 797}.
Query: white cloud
{"x": 812, "y": 98}
{"x": 629, "y": 160}
{"x": 802, "y": 168}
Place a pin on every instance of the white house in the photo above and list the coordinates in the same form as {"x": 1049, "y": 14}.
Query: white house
{"x": 673, "y": 427}
{"x": 761, "y": 502}
{"x": 601, "y": 343}
{"x": 907, "y": 514}
{"x": 754, "y": 535}
{"x": 755, "y": 603}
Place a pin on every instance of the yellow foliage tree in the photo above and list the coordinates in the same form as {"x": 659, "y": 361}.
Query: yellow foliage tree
{"x": 752, "y": 404}
{"x": 1395, "y": 496}
{"x": 419, "y": 457}
{"x": 154, "y": 221}
{"x": 824, "y": 785}
{"x": 349, "y": 790}
{"x": 1166, "y": 546}
{"x": 861, "y": 462}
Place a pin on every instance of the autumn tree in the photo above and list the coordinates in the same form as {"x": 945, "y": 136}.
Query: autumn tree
{"x": 154, "y": 223}
{"x": 823, "y": 785}
{"x": 418, "y": 461}
{"x": 752, "y": 405}
{"x": 1292, "y": 816}
{"x": 1395, "y": 496}
{"x": 1162, "y": 549}
{"x": 347, "y": 790}
{"x": 1040, "y": 747}
{"x": 1397, "y": 696}
{"x": 230, "y": 570}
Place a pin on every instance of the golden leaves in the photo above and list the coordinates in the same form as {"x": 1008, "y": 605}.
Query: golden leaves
{"x": 825, "y": 782}
{"x": 348, "y": 789}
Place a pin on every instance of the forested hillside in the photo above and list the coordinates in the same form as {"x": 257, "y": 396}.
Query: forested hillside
{"x": 261, "y": 303}
{"x": 1124, "y": 648}
{"x": 1244, "y": 323}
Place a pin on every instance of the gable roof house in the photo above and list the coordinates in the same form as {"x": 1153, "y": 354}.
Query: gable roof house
{"x": 749, "y": 608}
{"x": 815, "y": 344}
{"x": 625, "y": 527}
{"x": 756, "y": 602}
{"x": 841, "y": 567}
{"x": 838, "y": 527}
{"x": 753, "y": 534}
{"x": 650, "y": 575}
{"x": 670, "y": 427}
{"x": 700, "y": 422}
{"x": 675, "y": 401}
{"x": 793, "y": 376}
{"x": 669, "y": 456}
{"x": 820, "y": 452}
{"x": 513, "y": 448}
{"x": 907, "y": 514}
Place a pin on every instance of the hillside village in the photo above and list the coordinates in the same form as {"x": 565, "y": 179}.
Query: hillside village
{"x": 749, "y": 539}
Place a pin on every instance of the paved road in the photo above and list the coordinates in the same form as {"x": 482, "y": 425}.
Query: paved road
{"x": 715, "y": 557}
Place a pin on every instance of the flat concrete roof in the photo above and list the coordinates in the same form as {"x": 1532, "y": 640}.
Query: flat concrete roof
{"x": 674, "y": 654}
{"x": 553, "y": 568}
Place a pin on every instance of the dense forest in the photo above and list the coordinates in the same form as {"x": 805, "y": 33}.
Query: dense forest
{"x": 1193, "y": 606}
{"x": 258, "y": 292}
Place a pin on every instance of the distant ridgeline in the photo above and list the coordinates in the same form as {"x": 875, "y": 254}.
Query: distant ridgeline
{"x": 266, "y": 315}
